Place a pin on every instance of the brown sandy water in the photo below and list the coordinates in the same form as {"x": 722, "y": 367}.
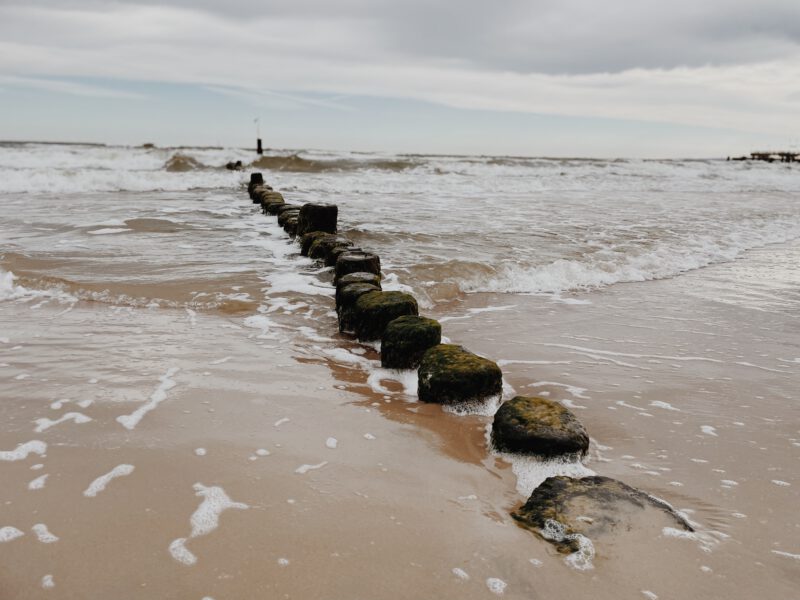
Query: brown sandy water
{"x": 687, "y": 386}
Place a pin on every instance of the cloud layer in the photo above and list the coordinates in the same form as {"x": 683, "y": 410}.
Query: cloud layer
{"x": 716, "y": 63}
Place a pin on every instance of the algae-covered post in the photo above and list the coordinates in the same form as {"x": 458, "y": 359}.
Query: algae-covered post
{"x": 375, "y": 310}
{"x": 346, "y": 299}
{"x": 451, "y": 374}
{"x": 406, "y": 339}
{"x": 255, "y": 179}
{"x": 538, "y": 427}
{"x": 318, "y": 217}
{"x": 353, "y": 262}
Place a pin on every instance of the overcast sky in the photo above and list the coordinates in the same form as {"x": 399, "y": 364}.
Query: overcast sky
{"x": 544, "y": 77}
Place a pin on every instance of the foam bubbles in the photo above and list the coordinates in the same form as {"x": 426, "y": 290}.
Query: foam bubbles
{"x": 496, "y": 586}
{"x": 332, "y": 443}
{"x": 9, "y": 533}
{"x": 157, "y": 397}
{"x": 204, "y": 520}
{"x": 99, "y": 484}
{"x": 22, "y": 451}
{"x": 303, "y": 469}
{"x": 460, "y": 573}
{"x": 38, "y": 483}
{"x": 581, "y": 559}
{"x": 48, "y": 583}
{"x": 43, "y": 534}
{"x": 44, "y": 424}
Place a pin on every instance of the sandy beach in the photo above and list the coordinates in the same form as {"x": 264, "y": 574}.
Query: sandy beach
{"x": 181, "y": 414}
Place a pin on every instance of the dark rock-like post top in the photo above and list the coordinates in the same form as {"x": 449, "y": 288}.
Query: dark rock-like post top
{"x": 255, "y": 179}
{"x": 317, "y": 217}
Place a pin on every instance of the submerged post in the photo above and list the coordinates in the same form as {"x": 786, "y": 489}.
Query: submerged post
{"x": 259, "y": 149}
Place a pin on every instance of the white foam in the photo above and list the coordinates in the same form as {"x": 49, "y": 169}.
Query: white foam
{"x": 157, "y": 397}
{"x": 581, "y": 559}
{"x": 99, "y": 484}
{"x": 405, "y": 377}
{"x": 48, "y": 583}
{"x": 780, "y": 483}
{"x": 204, "y": 520}
{"x": 664, "y": 405}
{"x": 280, "y": 422}
{"x": 181, "y": 553}
{"x": 9, "y": 533}
{"x": 369, "y": 436}
{"x": 303, "y": 469}
{"x": 460, "y": 573}
{"x": 496, "y": 586}
{"x": 786, "y": 554}
{"x": 283, "y": 562}
{"x": 200, "y": 451}
{"x": 44, "y": 423}
{"x": 531, "y": 472}
{"x": 221, "y": 360}
{"x": 22, "y": 451}
{"x": 649, "y": 595}
{"x": 43, "y": 534}
{"x": 11, "y": 291}
{"x": 485, "y": 407}
{"x": 109, "y": 230}
{"x": 709, "y": 430}
{"x": 332, "y": 443}
{"x": 38, "y": 483}
{"x": 262, "y": 452}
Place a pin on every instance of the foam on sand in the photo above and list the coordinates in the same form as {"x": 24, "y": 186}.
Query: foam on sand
{"x": 303, "y": 469}
{"x": 9, "y": 533}
{"x": 786, "y": 554}
{"x": 22, "y": 451}
{"x": 157, "y": 397}
{"x": 99, "y": 484}
{"x": 44, "y": 424}
{"x": 38, "y": 483}
{"x": 48, "y": 583}
{"x": 43, "y": 534}
{"x": 204, "y": 520}
{"x": 496, "y": 586}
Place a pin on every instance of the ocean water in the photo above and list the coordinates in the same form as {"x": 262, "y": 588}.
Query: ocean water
{"x": 657, "y": 299}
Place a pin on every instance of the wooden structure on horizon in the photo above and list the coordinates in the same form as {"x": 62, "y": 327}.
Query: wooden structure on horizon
{"x": 779, "y": 156}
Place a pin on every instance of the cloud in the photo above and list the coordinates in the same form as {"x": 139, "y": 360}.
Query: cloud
{"x": 711, "y": 64}
{"x": 66, "y": 87}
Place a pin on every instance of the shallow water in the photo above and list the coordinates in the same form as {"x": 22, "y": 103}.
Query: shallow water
{"x": 153, "y": 318}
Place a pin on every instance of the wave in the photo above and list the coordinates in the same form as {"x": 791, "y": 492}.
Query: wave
{"x": 180, "y": 163}
{"x": 299, "y": 164}
{"x": 157, "y": 295}
{"x": 662, "y": 260}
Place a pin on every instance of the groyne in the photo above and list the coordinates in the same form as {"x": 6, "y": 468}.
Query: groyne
{"x": 563, "y": 510}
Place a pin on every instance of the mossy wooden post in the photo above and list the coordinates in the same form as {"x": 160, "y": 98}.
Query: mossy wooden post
{"x": 309, "y": 238}
{"x": 375, "y": 310}
{"x": 353, "y": 262}
{"x": 406, "y": 339}
{"x": 451, "y": 374}
{"x": 286, "y": 215}
{"x": 370, "y": 278}
{"x": 290, "y": 226}
{"x": 538, "y": 427}
{"x": 255, "y": 179}
{"x": 345, "y": 303}
{"x": 317, "y": 217}
{"x": 321, "y": 247}
{"x": 273, "y": 207}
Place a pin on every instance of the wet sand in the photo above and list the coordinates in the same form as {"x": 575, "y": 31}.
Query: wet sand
{"x": 410, "y": 492}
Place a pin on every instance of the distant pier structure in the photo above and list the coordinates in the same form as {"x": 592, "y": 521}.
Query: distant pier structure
{"x": 777, "y": 156}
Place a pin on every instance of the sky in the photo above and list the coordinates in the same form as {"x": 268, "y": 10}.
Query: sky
{"x": 628, "y": 78}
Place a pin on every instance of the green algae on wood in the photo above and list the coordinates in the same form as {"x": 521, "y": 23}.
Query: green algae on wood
{"x": 354, "y": 262}
{"x": 406, "y": 339}
{"x": 317, "y": 217}
{"x": 375, "y": 310}
{"x": 538, "y": 426}
{"x": 562, "y": 510}
{"x": 346, "y": 298}
{"x": 451, "y": 374}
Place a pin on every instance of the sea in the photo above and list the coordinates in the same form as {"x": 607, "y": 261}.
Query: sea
{"x": 182, "y": 419}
